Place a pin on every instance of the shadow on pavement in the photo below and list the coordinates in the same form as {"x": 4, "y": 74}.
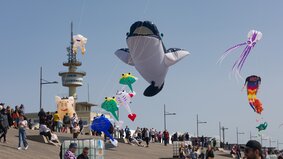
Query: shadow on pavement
{"x": 9, "y": 146}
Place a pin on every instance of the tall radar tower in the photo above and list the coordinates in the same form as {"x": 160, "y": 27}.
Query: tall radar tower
{"x": 73, "y": 78}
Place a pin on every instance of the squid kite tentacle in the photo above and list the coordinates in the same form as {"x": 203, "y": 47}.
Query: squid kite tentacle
{"x": 228, "y": 51}
{"x": 240, "y": 65}
{"x": 234, "y": 68}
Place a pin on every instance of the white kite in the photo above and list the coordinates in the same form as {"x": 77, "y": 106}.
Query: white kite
{"x": 79, "y": 42}
{"x": 147, "y": 53}
{"x": 124, "y": 99}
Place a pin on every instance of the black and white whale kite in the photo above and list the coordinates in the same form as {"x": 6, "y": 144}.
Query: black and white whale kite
{"x": 148, "y": 54}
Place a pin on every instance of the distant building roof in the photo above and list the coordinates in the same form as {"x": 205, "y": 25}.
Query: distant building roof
{"x": 86, "y": 103}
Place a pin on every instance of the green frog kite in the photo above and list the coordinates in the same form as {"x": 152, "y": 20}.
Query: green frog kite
{"x": 262, "y": 126}
{"x": 111, "y": 106}
{"x": 128, "y": 79}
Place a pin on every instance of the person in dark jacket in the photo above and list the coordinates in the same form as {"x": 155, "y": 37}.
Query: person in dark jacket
{"x": 66, "y": 122}
{"x": 81, "y": 125}
{"x": 84, "y": 155}
{"x": 9, "y": 115}
{"x": 42, "y": 116}
{"x": 4, "y": 124}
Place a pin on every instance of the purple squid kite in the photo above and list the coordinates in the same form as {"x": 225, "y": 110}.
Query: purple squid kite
{"x": 253, "y": 37}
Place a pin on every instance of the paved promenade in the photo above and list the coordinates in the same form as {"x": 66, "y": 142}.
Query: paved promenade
{"x": 44, "y": 151}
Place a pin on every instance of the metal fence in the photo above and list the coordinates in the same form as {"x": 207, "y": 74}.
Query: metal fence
{"x": 177, "y": 145}
{"x": 96, "y": 147}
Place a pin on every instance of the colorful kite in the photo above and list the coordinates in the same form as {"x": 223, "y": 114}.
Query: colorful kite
{"x": 252, "y": 83}
{"x": 128, "y": 79}
{"x": 253, "y": 37}
{"x": 102, "y": 124}
{"x": 79, "y": 42}
{"x": 124, "y": 99}
{"x": 111, "y": 106}
{"x": 65, "y": 105}
{"x": 148, "y": 54}
{"x": 262, "y": 126}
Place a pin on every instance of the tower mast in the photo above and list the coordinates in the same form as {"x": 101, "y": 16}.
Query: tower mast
{"x": 73, "y": 78}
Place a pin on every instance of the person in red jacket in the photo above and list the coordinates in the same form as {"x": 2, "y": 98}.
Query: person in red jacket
{"x": 165, "y": 137}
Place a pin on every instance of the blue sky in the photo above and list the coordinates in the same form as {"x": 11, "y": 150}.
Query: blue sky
{"x": 36, "y": 33}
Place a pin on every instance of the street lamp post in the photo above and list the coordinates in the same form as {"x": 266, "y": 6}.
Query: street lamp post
{"x": 238, "y": 133}
{"x": 220, "y": 133}
{"x": 261, "y": 140}
{"x": 278, "y": 143}
{"x": 165, "y": 114}
{"x": 223, "y": 132}
{"x": 251, "y": 137}
{"x": 270, "y": 142}
{"x": 199, "y": 122}
{"x": 42, "y": 82}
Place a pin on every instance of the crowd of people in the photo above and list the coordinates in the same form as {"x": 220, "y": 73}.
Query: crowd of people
{"x": 141, "y": 135}
{"x": 69, "y": 124}
{"x": 201, "y": 147}
{"x": 13, "y": 118}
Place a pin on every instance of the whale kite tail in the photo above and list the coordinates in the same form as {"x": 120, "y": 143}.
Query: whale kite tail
{"x": 152, "y": 90}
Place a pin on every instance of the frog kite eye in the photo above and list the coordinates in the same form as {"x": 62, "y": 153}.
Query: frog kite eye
{"x": 253, "y": 37}
{"x": 147, "y": 53}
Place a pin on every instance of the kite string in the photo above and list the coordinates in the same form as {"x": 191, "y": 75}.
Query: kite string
{"x": 81, "y": 13}
{"x": 116, "y": 64}
{"x": 145, "y": 9}
{"x": 108, "y": 80}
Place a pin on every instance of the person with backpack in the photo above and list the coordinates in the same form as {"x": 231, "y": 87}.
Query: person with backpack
{"x": 66, "y": 122}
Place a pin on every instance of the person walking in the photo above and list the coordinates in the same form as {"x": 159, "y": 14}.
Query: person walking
{"x": 56, "y": 119}
{"x": 146, "y": 137}
{"x": 4, "y": 124}
{"x": 23, "y": 124}
{"x": 238, "y": 152}
{"x": 253, "y": 150}
{"x": 81, "y": 125}
{"x": 74, "y": 120}
{"x": 166, "y": 137}
{"x": 128, "y": 132}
